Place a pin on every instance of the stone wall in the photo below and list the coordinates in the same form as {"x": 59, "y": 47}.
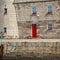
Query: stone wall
{"x": 32, "y": 47}
{"x": 24, "y": 11}
{"x": 1, "y": 15}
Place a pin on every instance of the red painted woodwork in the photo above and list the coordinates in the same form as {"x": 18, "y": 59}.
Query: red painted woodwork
{"x": 34, "y": 31}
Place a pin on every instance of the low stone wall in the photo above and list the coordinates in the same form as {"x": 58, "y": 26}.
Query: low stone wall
{"x": 32, "y": 47}
{"x": 40, "y": 46}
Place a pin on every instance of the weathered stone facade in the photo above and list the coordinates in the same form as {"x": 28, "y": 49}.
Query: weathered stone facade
{"x": 8, "y": 19}
{"x": 24, "y": 11}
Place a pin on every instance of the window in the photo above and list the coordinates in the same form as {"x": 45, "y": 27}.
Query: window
{"x": 5, "y": 10}
{"x": 34, "y": 9}
{"x": 5, "y": 29}
{"x": 18, "y": 6}
{"x": 49, "y": 26}
{"x": 49, "y": 8}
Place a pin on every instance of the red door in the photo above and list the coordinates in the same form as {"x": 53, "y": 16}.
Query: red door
{"x": 34, "y": 31}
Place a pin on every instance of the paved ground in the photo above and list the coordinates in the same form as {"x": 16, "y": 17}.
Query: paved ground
{"x": 30, "y": 58}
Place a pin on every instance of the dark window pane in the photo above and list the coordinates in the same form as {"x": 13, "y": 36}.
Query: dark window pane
{"x": 49, "y": 26}
{"x": 5, "y": 10}
{"x": 5, "y": 29}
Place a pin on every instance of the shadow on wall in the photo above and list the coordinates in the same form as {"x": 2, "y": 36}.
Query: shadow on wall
{"x": 1, "y": 51}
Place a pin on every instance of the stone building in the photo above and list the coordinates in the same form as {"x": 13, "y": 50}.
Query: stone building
{"x": 17, "y": 18}
{"x": 8, "y": 22}
{"x": 47, "y": 18}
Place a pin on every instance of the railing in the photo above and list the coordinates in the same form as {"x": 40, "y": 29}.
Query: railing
{"x": 51, "y": 46}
